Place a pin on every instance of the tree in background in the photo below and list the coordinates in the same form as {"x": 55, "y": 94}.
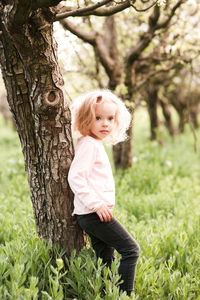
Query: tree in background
{"x": 185, "y": 101}
{"x": 168, "y": 72}
{"x": 153, "y": 72}
{"x": 122, "y": 73}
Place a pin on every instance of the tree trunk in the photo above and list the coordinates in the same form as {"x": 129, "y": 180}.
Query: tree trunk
{"x": 181, "y": 108}
{"x": 194, "y": 118}
{"x": 167, "y": 114}
{"x": 152, "y": 103}
{"x": 182, "y": 120}
{"x": 123, "y": 152}
{"x": 37, "y": 100}
{"x": 114, "y": 71}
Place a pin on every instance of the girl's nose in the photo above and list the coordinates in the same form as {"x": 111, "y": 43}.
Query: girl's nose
{"x": 105, "y": 123}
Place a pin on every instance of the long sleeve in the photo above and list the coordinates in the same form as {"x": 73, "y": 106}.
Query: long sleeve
{"x": 79, "y": 174}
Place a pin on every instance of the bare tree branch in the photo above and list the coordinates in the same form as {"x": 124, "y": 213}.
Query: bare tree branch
{"x": 166, "y": 22}
{"x": 93, "y": 38}
{"x": 152, "y": 74}
{"x": 98, "y": 9}
{"x": 107, "y": 57}
{"x": 88, "y": 37}
{"x": 82, "y": 11}
{"x": 104, "y": 56}
{"x": 144, "y": 9}
{"x": 101, "y": 12}
{"x": 146, "y": 38}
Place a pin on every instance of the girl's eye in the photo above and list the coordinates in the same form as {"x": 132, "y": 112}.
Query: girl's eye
{"x": 110, "y": 118}
{"x": 98, "y": 118}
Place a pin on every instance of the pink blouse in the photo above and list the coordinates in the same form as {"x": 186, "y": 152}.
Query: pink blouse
{"x": 90, "y": 177}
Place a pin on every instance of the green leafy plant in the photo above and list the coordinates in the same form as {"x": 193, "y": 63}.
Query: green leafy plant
{"x": 157, "y": 201}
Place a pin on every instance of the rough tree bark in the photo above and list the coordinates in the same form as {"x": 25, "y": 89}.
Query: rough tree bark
{"x": 37, "y": 100}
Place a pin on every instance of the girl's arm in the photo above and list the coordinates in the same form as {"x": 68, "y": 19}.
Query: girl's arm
{"x": 79, "y": 173}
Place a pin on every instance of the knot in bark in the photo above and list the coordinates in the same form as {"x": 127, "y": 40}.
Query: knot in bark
{"x": 48, "y": 102}
{"x": 51, "y": 98}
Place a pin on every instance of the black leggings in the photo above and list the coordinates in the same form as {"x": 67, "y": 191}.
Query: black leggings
{"x": 108, "y": 236}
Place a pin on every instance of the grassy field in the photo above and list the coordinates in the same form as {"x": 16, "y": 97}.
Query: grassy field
{"x": 158, "y": 201}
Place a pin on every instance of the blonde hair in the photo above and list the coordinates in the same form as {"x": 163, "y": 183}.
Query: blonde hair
{"x": 83, "y": 115}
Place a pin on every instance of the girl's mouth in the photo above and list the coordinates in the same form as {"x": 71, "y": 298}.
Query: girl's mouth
{"x": 104, "y": 131}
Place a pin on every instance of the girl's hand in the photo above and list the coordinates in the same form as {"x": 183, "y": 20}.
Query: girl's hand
{"x": 104, "y": 213}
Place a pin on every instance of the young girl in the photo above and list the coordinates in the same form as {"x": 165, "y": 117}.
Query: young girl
{"x": 98, "y": 116}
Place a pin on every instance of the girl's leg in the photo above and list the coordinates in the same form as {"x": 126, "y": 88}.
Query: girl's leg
{"x": 113, "y": 234}
{"x": 102, "y": 250}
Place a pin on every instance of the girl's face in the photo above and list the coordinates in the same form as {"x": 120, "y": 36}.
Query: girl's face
{"x": 104, "y": 122}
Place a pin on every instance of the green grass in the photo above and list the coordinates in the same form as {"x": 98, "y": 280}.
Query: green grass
{"x": 157, "y": 201}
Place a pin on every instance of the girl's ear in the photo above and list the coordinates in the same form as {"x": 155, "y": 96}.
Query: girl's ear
{"x": 99, "y": 98}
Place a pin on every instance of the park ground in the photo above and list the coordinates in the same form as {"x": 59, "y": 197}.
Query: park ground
{"x": 157, "y": 201}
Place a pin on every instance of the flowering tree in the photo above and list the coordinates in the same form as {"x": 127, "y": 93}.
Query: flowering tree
{"x": 121, "y": 63}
